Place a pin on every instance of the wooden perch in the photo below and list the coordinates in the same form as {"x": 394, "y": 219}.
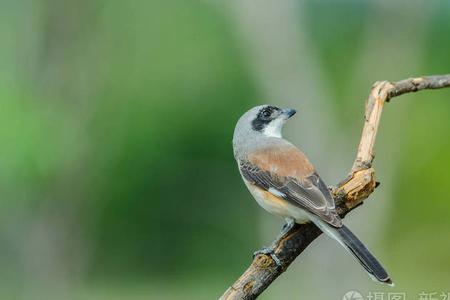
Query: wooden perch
{"x": 348, "y": 194}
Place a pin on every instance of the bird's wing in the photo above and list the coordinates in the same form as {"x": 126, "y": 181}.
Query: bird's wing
{"x": 287, "y": 170}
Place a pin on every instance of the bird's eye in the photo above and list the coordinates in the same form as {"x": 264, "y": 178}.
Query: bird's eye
{"x": 266, "y": 113}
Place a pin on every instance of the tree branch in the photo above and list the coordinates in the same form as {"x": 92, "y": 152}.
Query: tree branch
{"x": 348, "y": 194}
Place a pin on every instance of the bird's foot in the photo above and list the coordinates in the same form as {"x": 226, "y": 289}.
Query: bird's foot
{"x": 288, "y": 225}
{"x": 269, "y": 251}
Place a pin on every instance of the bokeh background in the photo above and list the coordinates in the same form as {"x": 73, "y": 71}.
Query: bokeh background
{"x": 117, "y": 179}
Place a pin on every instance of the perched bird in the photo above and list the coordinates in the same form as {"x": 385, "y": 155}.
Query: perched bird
{"x": 284, "y": 182}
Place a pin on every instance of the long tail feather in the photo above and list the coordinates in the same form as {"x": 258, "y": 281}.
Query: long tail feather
{"x": 360, "y": 252}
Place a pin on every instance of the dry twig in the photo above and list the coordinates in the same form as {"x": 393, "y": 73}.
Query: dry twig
{"x": 348, "y": 194}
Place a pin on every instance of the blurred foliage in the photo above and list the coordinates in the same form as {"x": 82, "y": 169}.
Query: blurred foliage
{"x": 116, "y": 164}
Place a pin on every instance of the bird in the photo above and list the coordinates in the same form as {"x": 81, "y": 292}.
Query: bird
{"x": 285, "y": 183}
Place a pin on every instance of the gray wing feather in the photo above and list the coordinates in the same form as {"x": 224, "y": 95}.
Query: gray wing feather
{"x": 310, "y": 193}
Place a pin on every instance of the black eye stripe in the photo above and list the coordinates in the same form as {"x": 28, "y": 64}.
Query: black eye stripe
{"x": 267, "y": 111}
{"x": 264, "y": 117}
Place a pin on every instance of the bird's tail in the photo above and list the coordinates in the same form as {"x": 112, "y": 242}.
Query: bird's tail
{"x": 353, "y": 245}
{"x": 365, "y": 258}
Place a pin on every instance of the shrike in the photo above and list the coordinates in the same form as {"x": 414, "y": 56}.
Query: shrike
{"x": 284, "y": 182}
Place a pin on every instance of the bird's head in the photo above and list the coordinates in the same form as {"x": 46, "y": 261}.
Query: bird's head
{"x": 267, "y": 119}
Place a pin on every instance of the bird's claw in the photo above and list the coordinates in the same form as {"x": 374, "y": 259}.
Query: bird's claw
{"x": 269, "y": 251}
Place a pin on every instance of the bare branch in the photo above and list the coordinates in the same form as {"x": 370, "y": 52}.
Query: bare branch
{"x": 348, "y": 194}
{"x": 418, "y": 84}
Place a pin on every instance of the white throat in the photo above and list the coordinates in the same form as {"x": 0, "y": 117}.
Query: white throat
{"x": 273, "y": 129}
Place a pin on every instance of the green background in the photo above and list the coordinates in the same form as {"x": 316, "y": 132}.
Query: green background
{"x": 117, "y": 178}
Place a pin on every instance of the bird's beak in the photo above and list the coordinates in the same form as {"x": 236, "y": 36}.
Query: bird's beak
{"x": 288, "y": 112}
